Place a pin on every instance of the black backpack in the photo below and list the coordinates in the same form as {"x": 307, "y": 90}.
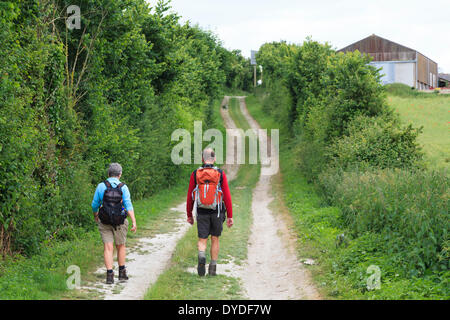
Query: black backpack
{"x": 111, "y": 211}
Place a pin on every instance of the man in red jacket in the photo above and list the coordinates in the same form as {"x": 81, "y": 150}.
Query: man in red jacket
{"x": 208, "y": 191}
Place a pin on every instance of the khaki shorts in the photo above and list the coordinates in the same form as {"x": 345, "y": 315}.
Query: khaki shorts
{"x": 119, "y": 236}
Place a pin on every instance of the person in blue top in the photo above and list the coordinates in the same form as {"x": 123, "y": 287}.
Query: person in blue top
{"x": 109, "y": 233}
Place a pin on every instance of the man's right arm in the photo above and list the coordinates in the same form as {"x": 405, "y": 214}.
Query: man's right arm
{"x": 189, "y": 200}
{"x": 227, "y": 200}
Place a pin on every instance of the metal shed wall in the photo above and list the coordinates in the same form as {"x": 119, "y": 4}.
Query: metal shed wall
{"x": 427, "y": 70}
{"x": 397, "y": 72}
{"x": 420, "y": 71}
{"x": 382, "y": 49}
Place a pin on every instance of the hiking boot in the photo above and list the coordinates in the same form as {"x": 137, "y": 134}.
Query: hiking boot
{"x": 201, "y": 266}
{"x": 123, "y": 274}
{"x": 110, "y": 278}
{"x": 212, "y": 269}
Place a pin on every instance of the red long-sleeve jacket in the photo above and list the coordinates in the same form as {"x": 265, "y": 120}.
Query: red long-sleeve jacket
{"x": 225, "y": 190}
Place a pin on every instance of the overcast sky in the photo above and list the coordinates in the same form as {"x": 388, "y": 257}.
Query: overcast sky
{"x": 247, "y": 24}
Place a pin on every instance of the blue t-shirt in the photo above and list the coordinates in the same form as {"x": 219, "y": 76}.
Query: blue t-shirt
{"x": 100, "y": 191}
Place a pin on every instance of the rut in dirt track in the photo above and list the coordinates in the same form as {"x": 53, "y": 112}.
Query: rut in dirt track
{"x": 272, "y": 270}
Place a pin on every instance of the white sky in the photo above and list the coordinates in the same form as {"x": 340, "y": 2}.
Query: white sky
{"x": 247, "y": 24}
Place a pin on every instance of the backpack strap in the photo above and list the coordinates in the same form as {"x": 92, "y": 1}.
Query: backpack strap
{"x": 221, "y": 176}
{"x": 107, "y": 184}
{"x": 119, "y": 186}
{"x": 195, "y": 176}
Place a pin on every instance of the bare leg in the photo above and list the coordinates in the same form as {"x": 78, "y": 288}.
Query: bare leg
{"x": 214, "y": 248}
{"x": 121, "y": 254}
{"x": 202, "y": 244}
{"x": 108, "y": 255}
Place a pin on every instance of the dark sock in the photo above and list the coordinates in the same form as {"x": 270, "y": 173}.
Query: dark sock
{"x": 213, "y": 262}
{"x": 121, "y": 268}
{"x": 109, "y": 271}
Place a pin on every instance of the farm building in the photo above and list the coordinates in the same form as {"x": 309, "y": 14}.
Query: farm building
{"x": 444, "y": 80}
{"x": 398, "y": 63}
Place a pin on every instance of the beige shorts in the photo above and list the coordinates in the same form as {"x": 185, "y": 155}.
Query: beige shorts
{"x": 119, "y": 236}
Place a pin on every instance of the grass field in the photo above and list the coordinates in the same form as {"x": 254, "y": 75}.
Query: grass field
{"x": 433, "y": 113}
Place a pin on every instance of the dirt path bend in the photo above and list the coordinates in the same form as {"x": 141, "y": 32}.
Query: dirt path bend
{"x": 148, "y": 259}
{"x": 272, "y": 270}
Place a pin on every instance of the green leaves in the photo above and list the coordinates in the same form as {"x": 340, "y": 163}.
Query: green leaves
{"x": 409, "y": 208}
{"x": 377, "y": 142}
{"x": 72, "y": 101}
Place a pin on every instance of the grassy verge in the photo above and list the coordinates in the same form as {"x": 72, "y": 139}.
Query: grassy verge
{"x": 177, "y": 283}
{"x": 341, "y": 270}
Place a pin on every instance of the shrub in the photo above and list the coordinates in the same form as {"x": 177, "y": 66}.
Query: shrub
{"x": 306, "y": 79}
{"x": 402, "y": 90}
{"x": 409, "y": 208}
{"x": 351, "y": 88}
{"x": 377, "y": 142}
{"x": 276, "y": 103}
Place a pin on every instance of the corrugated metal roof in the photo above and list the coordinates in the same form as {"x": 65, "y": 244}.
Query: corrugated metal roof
{"x": 382, "y": 49}
{"x": 445, "y": 76}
